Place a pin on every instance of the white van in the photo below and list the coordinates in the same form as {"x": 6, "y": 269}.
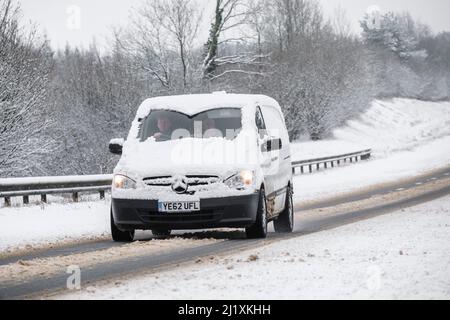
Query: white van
{"x": 203, "y": 161}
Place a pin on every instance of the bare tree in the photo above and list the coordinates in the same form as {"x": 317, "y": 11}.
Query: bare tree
{"x": 162, "y": 32}
{"x": 340, "y": 22}
{"x": 228, "y": 14}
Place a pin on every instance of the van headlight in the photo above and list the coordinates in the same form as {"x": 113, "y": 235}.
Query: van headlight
{"x": 123, "y": 182}
{"x": 241, "y": 180}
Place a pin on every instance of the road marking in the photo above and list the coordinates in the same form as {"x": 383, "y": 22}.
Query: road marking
{"x": 419, "y": 183}
{"x": 447, "y": 174}
{"x": 400, "y": 189}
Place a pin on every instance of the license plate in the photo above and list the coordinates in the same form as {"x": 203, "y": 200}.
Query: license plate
{"x": 178, "y": 206}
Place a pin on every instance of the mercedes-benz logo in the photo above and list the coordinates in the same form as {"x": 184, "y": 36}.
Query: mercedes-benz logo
{"x": 180, "y": 185}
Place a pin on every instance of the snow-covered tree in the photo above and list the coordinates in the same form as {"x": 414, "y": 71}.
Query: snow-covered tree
{"x": 320, "y": 76}
{"x": 227, "y": 15}
{"x": 402, "y": 53}
{"x": 25, "y": 64}
{"x": 395, "y": 32}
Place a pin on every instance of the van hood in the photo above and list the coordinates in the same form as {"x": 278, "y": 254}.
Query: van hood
{"x": 212, "y": 157}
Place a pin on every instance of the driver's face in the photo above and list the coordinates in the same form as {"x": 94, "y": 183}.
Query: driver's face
{"x": 164, "y": 125}
{"x": 209, "y": 124}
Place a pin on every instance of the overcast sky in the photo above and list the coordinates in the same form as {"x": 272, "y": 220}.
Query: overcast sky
{"x": 59, "y": 18}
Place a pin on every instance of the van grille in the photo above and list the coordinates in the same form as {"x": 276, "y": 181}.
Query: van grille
{"x": 166, "y": 181}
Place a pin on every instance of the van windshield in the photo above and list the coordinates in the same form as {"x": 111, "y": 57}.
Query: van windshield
{"x": 165, "y": 125}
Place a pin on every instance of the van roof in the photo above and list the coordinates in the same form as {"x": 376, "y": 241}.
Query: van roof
{"x": 192, "y": 104}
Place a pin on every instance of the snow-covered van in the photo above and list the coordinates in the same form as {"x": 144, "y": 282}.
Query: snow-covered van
{"x": 203, "y": 161}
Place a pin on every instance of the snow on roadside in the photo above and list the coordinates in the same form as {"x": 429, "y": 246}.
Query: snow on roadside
{"x": 388, "y": 126}
{"x": 350, "y": 178}
{"x": 403, "y": 255}
{"x": 408, "y": 137}
{"x": 22, "y": 227}
{"x": 398, "y": 125}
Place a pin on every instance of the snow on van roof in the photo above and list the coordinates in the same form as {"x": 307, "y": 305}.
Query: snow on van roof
{"x": 192, "y": 104}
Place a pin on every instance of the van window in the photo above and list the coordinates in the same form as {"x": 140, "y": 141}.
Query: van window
{"x": 259, "y": 119}
{"x": 260, "y": 123}
{"x": 275, "y": 123}
{"x": 165, "y": 125}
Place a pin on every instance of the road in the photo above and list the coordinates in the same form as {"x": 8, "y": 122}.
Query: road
{"x": 24, "y": 278}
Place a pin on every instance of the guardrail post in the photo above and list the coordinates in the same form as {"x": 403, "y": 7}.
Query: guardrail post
{"x": 310, "y": 168}
{"x": 366, "y": 156}
{"x": 7, "y": 202}
{"x": 43, "y": 198}
{"x": 75, "y": 197}
{"x": 332, "y": 164}
{"x": 26, "y": 199}
{"x": 301, "y": 169}
{"x": 318, "y": 166}
{"x": 325, "y": 165}
{"x": 102, "y": 192}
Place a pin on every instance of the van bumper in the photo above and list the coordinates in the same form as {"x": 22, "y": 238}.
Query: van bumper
{"x": 229, "y": 212}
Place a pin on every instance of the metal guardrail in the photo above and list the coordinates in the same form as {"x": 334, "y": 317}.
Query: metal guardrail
{"x": 26, "y": 187}
{"x": 310, "y": 164}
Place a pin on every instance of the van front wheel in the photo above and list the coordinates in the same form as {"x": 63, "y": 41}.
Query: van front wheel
{"x": 118, "y": 235}
{"x": 259, "y": 229}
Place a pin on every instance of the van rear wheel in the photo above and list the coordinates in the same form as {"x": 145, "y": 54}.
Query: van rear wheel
{"x": 259, "y": 229}
{"x": 118, "y": 235}
{"x": 285, "y": 221}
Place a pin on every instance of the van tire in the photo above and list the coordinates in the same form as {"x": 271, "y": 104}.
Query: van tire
{"x": 161, "y": 233}
{"x": 259, "y": 229}
{"x": 118, "y": 235}
{"x": 285, "y": 221}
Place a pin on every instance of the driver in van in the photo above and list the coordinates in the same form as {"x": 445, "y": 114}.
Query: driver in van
{"x": 210, "y": 130}
{"x": 164, "y": 125}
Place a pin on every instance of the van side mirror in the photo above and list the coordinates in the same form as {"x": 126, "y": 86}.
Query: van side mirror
{"x": 116, "y": 145}
{"x": 272, "y": 145}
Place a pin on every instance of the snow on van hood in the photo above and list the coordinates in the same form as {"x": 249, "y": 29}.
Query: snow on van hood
{"x": 214, "y": 156}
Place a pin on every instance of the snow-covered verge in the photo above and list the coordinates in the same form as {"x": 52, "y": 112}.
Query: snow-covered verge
{"x": 22, "y": 227}
{"x": 408, "y": 137}
{"x": 388, "y": 126}
{"x": 398, "y": 125}
{"x": 403, "y": 255}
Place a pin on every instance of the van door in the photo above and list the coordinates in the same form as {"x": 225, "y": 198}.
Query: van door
{"x": 266, "y": 162}
{"x": 281, "y": 169}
